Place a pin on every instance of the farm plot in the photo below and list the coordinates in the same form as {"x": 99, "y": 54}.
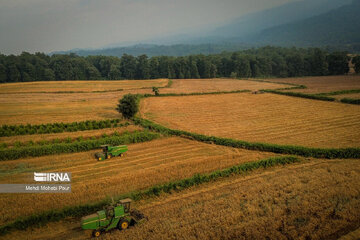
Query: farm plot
{"x": 37, "y": 108}
{"x": 217, "y": 85}
{"x": 292, "y": 202}
{"x": 266, "y": 118}
{"x": 323, "y": 84}
{"x": 79, "y": 86}
{"x": 144, "y": 165}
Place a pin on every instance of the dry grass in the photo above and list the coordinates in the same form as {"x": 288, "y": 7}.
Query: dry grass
{"x": 267, "y": 118}
{"x": 39, "y": 108}
{"x": 144, "y": 165}
{"x": 312, "y": 200}
{"x": 323, "y": 84}
{"x": 216, "y": 85}
{"x": 85, "y": 134}
{"x": 84, "y": 86}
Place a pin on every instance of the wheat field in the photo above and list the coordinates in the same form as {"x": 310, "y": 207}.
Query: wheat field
{"x": 38, "y": 108}
{"x": 266, "y": 118}
{"x": 292, "y": 202}
{"x": 144, "y": 165}
{"x": 217, "y": 85}
{"x": 323, "y": 84}
{"x": 79, "y": 86}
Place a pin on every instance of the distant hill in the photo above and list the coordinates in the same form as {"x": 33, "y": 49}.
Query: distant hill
{"x": 161, "y": 50}
{"x": 333, "y": 24}
{"x": 338, "y": 27}
{"x": 286, "y": 13}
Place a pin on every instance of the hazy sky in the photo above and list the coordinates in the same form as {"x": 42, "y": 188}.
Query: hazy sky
{"x": 50, "y": 25}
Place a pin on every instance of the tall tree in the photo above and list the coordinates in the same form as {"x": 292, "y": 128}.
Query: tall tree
{"x": 338, "y": 63}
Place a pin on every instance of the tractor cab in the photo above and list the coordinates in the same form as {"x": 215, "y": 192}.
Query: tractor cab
{"x": 126, "y": 204}
{"x": 105, "y": 148}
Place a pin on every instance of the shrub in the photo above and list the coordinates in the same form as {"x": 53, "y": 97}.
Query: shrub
{"x": 128, "y": 105}
{"x": 155, "y": 91}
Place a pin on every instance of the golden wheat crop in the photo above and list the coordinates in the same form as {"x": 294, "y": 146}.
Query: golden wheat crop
{"x": 323, "y": 84}
{"x": 37, "y": 108}
{"x": 144, "y": 165}
{"x": 84, "y": 86}
{"x": 216, "y": 85}
{"x": 316, "y": 199}
{"x": 267, "y": 118}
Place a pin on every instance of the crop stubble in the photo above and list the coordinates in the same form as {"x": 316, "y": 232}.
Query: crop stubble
{"x": 288, "y": 202}
{"x": 144, "y": 165}
{"x": 266, "y": 118}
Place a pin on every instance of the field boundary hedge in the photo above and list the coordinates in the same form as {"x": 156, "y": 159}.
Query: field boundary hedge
{"x": 18, "y": 144}
{"x": 41, "y": 219}
{"x": 340, "y": 92}
{"x": 265, "y": 147}
{"x": 79, "y": 146}
{"x": 191, "y": 94}
{"x": 28, "y": 129}
{"x": 350, "y": 101}
{"x": 301, "y": 95}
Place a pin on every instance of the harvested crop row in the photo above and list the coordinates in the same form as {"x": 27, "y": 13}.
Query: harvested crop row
{"x": 261, "y": 204}
{"x": 266, "y": 118}
{"x": 144, "y": 165}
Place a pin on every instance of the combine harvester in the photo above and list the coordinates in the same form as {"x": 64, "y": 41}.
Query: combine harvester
{"x": 110, "y": 151}
{"x": 115, "y": 216}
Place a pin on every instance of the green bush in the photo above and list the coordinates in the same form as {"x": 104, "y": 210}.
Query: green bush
{"x": 128, "y": 105}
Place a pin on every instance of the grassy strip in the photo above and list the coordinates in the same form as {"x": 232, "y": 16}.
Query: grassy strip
{"x": 302, "y": 95}
{"x": 13, "y": 130}
{"x": 30, "y": 143}
{"x": 291, "y": 88}
{"x": 191, "y": 94}
{"x": 81, "y": 210}
{"x": 339, "y": 92}
{"x": 350, "y": 101}
{"x": 80, "y": 146}
{"x": 169, "y": 84}
{"x": 284, "y": 149}
{"x": 267, "y": 81}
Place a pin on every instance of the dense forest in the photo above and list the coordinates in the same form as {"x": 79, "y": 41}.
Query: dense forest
{"x": 261, "y": 62}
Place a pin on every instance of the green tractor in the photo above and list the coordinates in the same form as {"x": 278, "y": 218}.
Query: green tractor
{"x": 110, "y": 151}
{"x": 118, "y": 216}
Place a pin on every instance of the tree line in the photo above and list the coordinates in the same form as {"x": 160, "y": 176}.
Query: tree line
{"x": 260, "y": 62}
